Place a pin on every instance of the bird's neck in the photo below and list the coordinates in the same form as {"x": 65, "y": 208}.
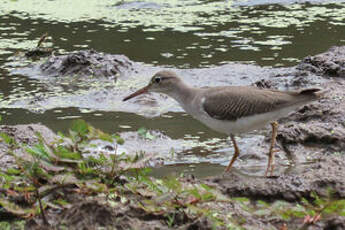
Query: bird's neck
{"x": 183, "y": 93}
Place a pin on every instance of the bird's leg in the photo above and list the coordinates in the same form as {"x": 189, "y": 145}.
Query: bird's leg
{"x": 237, "y": 152}
{"x": 270, "y": 165}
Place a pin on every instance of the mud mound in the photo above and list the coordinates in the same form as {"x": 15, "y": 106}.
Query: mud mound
{"x": 87, "y": 63}
{"x": 330, "y": 63}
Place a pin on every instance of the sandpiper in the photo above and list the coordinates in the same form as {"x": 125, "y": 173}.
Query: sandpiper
{"x": 231, "y": 109}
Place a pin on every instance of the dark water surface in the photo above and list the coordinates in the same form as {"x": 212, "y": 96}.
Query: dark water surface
{"x": 178, "y": 34}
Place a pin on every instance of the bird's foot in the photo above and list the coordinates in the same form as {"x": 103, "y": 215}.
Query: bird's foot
{"x": 226, "y": 171}
{"x": 270, "y": 166}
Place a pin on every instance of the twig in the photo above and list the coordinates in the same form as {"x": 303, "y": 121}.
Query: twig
{"x": 45, "y": 221}
{"x": 42, "y": 39}
{"x": 112, "y": 173}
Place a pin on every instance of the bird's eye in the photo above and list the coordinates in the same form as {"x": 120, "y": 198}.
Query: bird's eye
{"x": 157, "y": 80}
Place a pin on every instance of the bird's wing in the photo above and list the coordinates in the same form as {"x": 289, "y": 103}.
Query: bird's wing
{"x": 231, "y": 103}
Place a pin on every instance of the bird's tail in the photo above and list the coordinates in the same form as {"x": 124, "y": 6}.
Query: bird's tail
{"x": 312, "y": 93}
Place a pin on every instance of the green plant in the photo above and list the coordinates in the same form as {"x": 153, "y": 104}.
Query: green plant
{"x": 58, "y": 164}
{"x": 144, "y": 133}
{"x": 309, "y": 210}
{"x": 170, "y": 220}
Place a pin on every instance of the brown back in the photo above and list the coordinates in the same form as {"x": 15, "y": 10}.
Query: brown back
{"x": 233, "y": 102}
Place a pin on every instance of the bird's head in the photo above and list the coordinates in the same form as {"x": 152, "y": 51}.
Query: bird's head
{"x": 162, "y": 82}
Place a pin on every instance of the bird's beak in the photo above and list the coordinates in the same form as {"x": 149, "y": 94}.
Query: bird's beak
{"x": 140, "y": 91}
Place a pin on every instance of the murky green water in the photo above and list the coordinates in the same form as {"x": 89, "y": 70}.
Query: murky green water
{"x": 180, "y": 34}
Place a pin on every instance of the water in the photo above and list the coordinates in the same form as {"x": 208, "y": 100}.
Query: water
{"x": 178, "y": 34}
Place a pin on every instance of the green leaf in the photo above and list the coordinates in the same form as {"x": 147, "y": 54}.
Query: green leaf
{"x": 242, "y": 199}
{"x": 332, "y": 208}
{"x": 305, "y": 202}
{"x": 262, "y": 212}
{"x": 285, "y": 216}
{"x": 173, "y": 184}
{"x": 36, "y": 170}
{"x": 105, "y": 137}
{"x": 62, "y": 202}
{"x": 7, "y": 177}
{"x": 118, "y": 139}
{"x": 38, "y": 151}
{"x": 8, "y": 140}
{"x": 319, "y": 202}
{"x": 142, "y": 131}
{"x": 63, "y": 152}
{"x": 84, "y": 169}
{"x": 14, "y": 209}
{"x": 81, "y": 127}
{"x": 207, "y": 196}
{"x": 195, "y": 193}
{"x": 263, "y": 203}
{"x": 18, "y": 225}
{"x": 299, "y": 214}
{"x": 60, "y": 134}
{"x": 207, "y": 188}
{"x": 13, "y": 171}
{"x": 150, "y": 136}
